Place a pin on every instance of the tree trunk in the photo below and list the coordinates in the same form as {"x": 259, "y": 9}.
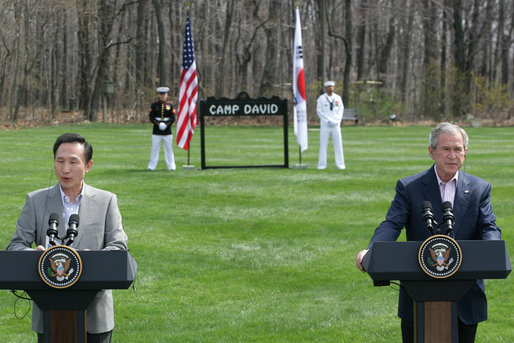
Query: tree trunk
{"x": 405, "y": 51}
{"x": 504, "y": 44}
{"x": 220, "y": 84}
{"x": 430, "y": 98}
{"x": 444, "y": 40}
{"x": 64, "y": 91}
{"x": 361, "y": 39}
{"x": 348, "y": 50}
{"x": 84, "y": 18}
{"x": 269, "y": 77}
{"x": 140, "y": 44}
{"x": 161, "y": 68}
{"x": 106, "y": 17}
{"x": 385, "y": 52}
{"x": 460, "y": 60}
{"x": 322, "y": 53}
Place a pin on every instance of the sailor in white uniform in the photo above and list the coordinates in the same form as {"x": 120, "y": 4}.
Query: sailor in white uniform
{"x": 330, "y": 112}
{"x": 162, "y": 115}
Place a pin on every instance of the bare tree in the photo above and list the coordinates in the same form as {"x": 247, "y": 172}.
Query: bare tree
{"x": 272, "y": 56}
{"x": 361, "y": 38}
{"x": 106, "y": 13}
{"x": 161, "y": 57}
{"x": 427, "y": 53}
{"x": 346, "y": 38}
{"x": 85, "y": 11}
{"x": 229, "y": 10}
{"x": 404, "y": 42}
{"x": 429, "y": 105}
{"x": 468, "y": 29}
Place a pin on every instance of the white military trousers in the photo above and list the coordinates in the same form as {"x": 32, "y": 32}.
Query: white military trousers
{"x": 325, "y": 132}
{"x": 168, "y": 152}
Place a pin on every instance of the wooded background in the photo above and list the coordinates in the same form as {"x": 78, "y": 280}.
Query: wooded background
{"x": 419, "y": 59}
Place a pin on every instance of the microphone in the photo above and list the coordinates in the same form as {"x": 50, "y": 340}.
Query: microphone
{"x": 72, "y": 232}
{"x": 53, "y": 223}
{"x": 428, "y": 216}
{"x": 448, "y": 217}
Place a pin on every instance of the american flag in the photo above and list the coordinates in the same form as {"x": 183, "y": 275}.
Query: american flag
{"x": 186, "y": 118}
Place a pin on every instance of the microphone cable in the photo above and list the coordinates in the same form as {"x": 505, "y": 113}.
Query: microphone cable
{"x": 23, "y": 296}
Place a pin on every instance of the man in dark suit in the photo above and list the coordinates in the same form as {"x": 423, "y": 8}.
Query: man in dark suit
{"x": 474, "y": 218}
{"x": 100, "y": 224}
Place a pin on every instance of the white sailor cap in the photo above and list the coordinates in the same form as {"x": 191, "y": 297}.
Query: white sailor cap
{"x": 330, "y": 83}
{"x": 163, "y": 90}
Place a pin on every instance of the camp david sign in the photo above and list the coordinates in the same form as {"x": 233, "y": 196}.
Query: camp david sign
{"x": 242, "y": 105}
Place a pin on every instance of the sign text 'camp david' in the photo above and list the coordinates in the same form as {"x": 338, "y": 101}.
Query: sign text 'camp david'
{"x": 243, "y": 105}
{"x": 246, "y": 109}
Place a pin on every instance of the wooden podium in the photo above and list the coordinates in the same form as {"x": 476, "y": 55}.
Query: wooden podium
{"x": 65, "y": 309}
{"x": 435, "y": 300}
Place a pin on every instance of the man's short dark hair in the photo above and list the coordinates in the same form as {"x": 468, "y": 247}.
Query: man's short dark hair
{"x": 74, "y": 138}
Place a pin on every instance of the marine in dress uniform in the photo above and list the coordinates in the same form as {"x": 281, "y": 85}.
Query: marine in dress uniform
{"x": 330, "y": 112}
{"x": 162, "y": 115}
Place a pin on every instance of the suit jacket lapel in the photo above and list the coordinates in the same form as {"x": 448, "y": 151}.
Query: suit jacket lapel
{"x": 461, "y": 201}
{"x": 85, "y": 211}
{"x": 54, "y": 205}
{"x": 432, "y": 193}
{"x": 55, "y": 201}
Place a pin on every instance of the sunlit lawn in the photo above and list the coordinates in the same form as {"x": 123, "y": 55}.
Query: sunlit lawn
{"x": 254, "y": 254}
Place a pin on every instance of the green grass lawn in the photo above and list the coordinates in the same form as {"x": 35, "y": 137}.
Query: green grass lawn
{"x": 254, "y": 254}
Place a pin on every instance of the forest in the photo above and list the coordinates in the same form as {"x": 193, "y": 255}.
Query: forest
{"x": 101, "y": 60}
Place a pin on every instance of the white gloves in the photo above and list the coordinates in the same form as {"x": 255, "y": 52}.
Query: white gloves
{"x": 162, "y": 126}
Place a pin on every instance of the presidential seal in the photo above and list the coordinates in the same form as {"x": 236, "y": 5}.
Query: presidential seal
{"x": 440, "y": 256}
{"x": 60, "y": 266}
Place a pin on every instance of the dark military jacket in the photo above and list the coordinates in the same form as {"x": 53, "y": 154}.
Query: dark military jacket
{"x": 162, "y": 112}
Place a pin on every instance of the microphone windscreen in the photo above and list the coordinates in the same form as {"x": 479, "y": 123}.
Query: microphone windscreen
{"x": 74, "y": 218}
{"x": 447, "y": 205}
{"x": 426, "y": 204}
{"x": 54, "y": 217}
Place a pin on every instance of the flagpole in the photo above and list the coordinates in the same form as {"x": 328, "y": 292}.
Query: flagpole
{"x": 187, "y": 117}
{"x": 299, "y": 96}
{"x": 299, "y": 146}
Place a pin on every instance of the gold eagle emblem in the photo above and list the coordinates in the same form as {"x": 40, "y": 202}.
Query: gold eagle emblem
{"x": 440, "y": 257}
{"x": 60, "y": 268}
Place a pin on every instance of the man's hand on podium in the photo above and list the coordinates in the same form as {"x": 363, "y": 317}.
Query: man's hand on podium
{"x": 40, "y": 248}
{"x": 358, "y": 262}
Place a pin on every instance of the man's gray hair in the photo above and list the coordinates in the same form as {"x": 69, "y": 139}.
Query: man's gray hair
{"x": 450, "y": 129}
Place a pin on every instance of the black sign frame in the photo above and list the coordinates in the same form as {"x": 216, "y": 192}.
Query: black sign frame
{"x": 243, "y": 105}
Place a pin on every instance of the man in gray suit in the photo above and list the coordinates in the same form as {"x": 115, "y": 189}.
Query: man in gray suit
{"x": 474, "y": 219}
{"x": 100, "y": 224}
